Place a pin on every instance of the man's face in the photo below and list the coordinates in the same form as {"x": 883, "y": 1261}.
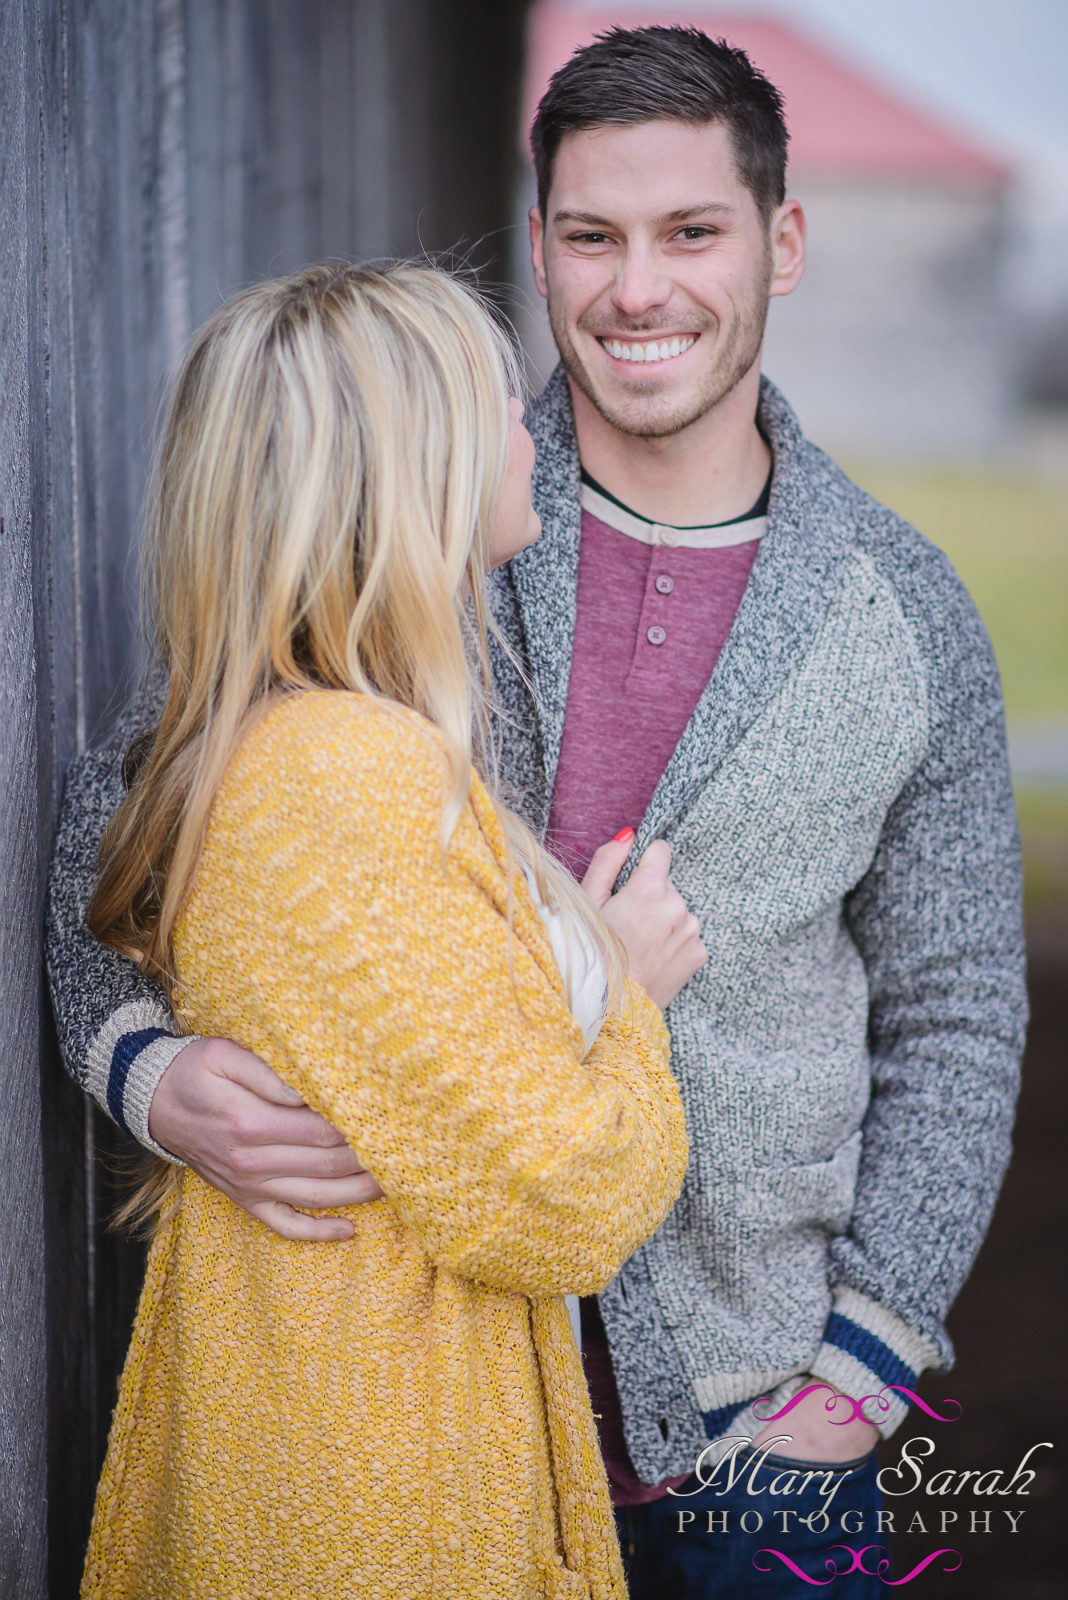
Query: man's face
{"x": 657, "y": 269}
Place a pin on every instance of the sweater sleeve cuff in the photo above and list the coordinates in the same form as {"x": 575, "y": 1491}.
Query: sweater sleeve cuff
{"x": 869, "y": 1353}
{"x": 127, "y": 1059}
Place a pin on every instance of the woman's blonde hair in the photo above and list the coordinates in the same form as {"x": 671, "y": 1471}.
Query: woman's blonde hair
{"x": 317, "y": 516}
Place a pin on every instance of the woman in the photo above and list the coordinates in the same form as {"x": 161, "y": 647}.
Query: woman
{"x": 309, "y": 863}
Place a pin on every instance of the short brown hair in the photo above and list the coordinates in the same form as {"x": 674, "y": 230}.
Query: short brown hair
{"x": 633, "y": 75}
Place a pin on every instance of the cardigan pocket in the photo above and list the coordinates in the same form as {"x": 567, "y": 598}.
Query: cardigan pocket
{"x": 771, "y": 1249}
{"x": 818, "y": 1194}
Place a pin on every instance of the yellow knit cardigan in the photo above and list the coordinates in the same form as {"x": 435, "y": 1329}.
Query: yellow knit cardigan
{"x": 402, "y": 1414}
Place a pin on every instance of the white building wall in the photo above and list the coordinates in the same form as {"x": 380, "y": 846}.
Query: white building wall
{"x": 896, "y": 342}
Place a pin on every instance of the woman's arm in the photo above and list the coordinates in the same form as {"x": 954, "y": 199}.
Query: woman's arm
{"x": 383, "y": 982}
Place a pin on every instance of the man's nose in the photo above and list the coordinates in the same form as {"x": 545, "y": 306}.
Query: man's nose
{"x": 640, "y": 284}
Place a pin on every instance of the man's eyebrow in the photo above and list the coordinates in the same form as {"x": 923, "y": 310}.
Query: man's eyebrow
{"x": 585, "y": 217}
{"x": 684, "y": 214}
{"x": 687, "y": 213}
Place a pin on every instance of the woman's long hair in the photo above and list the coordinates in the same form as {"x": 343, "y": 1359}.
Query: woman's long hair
{"x": 326, "y": 476}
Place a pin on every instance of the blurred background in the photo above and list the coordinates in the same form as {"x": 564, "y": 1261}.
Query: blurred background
{"x": 159, "y": 154}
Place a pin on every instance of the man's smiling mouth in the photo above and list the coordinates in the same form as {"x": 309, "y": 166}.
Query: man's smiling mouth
{"x": 651, "y": 350}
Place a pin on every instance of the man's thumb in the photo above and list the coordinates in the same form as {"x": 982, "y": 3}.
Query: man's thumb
{"x": 604, "y": 867}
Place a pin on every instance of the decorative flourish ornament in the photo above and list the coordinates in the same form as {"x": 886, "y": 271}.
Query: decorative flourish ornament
{"x": 881, "y": 1567}
{"x": 856, "y": 1407}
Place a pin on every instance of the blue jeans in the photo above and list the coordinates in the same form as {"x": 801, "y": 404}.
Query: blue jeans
{"x": 722, "y": 1541}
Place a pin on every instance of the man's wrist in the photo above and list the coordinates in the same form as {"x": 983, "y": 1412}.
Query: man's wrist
{"x": 870, "y": 1354}
{"x": 159, "y": 1055}
{"x": 126, "y": 1061}
{"x": 856, "y": 1425}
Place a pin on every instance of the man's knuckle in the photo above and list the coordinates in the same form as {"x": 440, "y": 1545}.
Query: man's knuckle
{"x": 245, "y": 1159}
{"x": 253, "y": 1124}
{"x": 281, "y": 1219}
{"x": 230, "y": 1120}
{"x": 214, "y": 1054}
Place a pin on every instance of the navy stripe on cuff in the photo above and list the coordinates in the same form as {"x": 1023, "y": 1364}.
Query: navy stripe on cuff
{"x": 125, "y": 1053}
{"x": 868, "y": 1350}
{"x": 717, "y": 1422}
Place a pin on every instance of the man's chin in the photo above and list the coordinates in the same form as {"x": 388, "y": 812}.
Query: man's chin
{"x": 645, "y": 415}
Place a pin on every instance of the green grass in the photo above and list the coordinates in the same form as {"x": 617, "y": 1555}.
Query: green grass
{"x": 1008, "y": 539}
{"x": 1043, "y": 817}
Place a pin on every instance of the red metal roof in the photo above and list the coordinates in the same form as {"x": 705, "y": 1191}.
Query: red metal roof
{"x": 840, "y": 121}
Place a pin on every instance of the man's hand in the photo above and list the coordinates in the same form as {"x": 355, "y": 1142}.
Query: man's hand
{"x": 224, "y": 1112}
{"x": 815, "y": 1435}
{"x": 661, "y": 938}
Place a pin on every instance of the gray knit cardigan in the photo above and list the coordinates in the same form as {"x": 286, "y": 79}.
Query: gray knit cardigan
{"x": 841, "y": 822}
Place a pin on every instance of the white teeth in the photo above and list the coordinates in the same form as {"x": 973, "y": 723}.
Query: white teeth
{"x": 666, "y": 350}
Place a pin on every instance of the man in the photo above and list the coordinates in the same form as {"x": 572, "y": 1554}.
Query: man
{"x": 734, "y": 650}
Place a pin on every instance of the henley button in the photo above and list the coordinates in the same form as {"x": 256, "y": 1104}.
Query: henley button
{"x": 664, "y": 584}
{"x": 668, "y": 536}
{"x": 656, "y": 635}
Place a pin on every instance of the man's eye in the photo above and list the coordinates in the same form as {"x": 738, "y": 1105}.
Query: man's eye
{"x": 589, "y": 238}
{"x": 696, "y": 233}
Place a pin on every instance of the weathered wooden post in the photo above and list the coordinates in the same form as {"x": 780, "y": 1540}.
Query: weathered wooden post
{"x": 154, "y": 156}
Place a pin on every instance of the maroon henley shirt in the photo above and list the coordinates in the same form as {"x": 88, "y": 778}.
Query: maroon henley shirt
{"x": 655, "y": 605}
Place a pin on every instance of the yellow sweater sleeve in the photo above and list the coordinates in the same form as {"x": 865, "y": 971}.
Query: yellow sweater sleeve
{"x": 388, "y": 988}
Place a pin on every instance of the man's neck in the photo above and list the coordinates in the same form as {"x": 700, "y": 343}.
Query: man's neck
{"x": 709, "y": 472}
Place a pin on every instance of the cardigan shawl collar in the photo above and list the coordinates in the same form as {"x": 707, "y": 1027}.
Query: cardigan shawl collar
{"x": 811, "y": 525}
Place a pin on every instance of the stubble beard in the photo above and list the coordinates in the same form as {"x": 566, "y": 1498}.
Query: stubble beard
{"x": 649, "y": 415}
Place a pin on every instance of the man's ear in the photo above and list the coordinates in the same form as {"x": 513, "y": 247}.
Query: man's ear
{"x": 787, "y": 248}
{"x": 537, "y": 250}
